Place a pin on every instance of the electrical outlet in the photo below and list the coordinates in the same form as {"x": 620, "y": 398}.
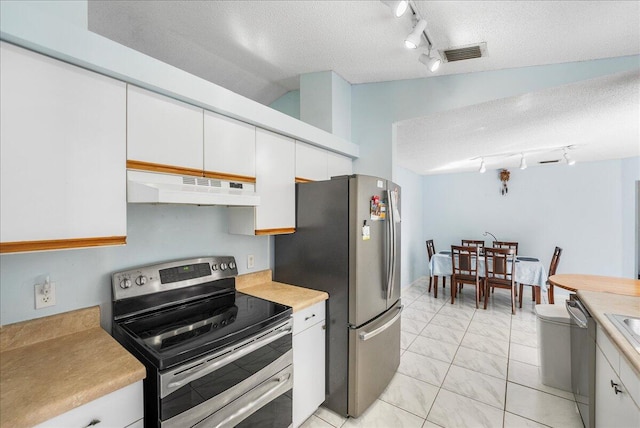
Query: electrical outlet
{"x": 45, "y": 294}
{"x": 250, "y": 261}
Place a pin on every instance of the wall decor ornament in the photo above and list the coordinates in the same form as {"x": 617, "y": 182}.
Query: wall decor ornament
{"x": 504, "y": 177}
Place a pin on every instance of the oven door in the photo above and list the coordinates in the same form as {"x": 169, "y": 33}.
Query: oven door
{"x": 247, "y": 381}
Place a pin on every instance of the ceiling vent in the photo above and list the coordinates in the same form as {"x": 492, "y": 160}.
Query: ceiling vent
{"x": 464, "y": 52}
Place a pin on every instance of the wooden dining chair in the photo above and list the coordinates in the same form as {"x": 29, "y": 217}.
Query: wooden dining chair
{"x": 555, "y": 259}
{"x": 506, "y": 244}
{"x": 465, "y": 263}
{"x": 500, "y": 272}
{"x": 472, "y": 243}
{"x": 430, "y": 252}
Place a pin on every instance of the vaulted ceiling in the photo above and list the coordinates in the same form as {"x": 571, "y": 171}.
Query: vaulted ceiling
{"x": 260, "y": 48}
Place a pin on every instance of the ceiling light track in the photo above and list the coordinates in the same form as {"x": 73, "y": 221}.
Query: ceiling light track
{"x": 523, "y": 161}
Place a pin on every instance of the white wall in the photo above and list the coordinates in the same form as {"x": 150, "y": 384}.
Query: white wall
{"x": 155, "y": 233}
{"x": 578, "y": 208}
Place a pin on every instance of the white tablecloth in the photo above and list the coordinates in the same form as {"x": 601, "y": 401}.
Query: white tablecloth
{"x": 527, "y": 272}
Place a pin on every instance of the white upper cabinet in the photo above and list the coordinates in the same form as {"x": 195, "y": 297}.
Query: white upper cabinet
{"x": 338, "y": 165}
{"x": 229, "y": 148}
{"x": 63, "y": 154}
{"x": 164, "y": 132}
{"x": 315, "y": 164}
{"x": 275, "y": 184}
{"x": 311, "y": 162}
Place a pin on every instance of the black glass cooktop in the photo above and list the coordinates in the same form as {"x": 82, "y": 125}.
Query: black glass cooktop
{"x": 177, "y": 334}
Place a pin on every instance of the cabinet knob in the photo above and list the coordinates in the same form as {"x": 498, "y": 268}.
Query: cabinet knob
{"x": 615, "y": 387}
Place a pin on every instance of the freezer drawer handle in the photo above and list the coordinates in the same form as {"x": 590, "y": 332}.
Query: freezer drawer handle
{"x": 377, "y": 331}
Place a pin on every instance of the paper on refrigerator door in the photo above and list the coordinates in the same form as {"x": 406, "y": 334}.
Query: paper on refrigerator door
{"x": 394, "y": 198}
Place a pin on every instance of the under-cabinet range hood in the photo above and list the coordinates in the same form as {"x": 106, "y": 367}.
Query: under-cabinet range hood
{"x": 157, "y": 188}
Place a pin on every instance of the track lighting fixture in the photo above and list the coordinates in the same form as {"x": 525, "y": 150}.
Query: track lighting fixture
{"x": 413, "y": 39}
{"x": 568, "y": 160}
{"x": 398, "y": 7}
{"x": 523, "y": 162}
{"x": 432, "y": 63}
{"x": 483, "y": 168}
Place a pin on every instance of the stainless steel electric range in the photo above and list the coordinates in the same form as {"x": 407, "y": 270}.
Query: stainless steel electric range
{"x": 215, "y": 357}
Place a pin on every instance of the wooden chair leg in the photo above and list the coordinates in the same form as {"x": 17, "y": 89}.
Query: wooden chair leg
{"x": 444, "y": 280}
{"x": 537, "y": 291}
{"x": 513, "y": 300}
{"x": 550, "y": 293}
{"x": 486, "y": 294}
{"x": 453, "y": 291}
{"x": 435, "y": 288}
{"x": 520, "y": 297}
{"x": 430, "y": 282}
{"x": 533, "y": 292}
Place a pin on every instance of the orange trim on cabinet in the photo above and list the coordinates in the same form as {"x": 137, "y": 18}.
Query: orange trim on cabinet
{"x": 229, "y": 177}
{"x": 280, "y": 231}
{"x": 157, "y": 167}
{"x": 60, "y": 244}
{"x": 303, "y": 180}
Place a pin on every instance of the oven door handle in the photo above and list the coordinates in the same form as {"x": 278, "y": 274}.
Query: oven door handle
{"x": 254, "y": 399}
{"x": 184, "y": 377}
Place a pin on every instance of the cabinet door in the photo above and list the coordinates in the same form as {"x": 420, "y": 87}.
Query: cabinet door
{"x": 311, "y": 163}
{"x": 308, "y": 372}
{"x": 612, "y": 410}
{"x": 229, "y": 148}
{"x": 275, "y": 183}
{"x": 338, "y": 165}
{"x": 163, "y": 132}
{"x": 63, "y": 148}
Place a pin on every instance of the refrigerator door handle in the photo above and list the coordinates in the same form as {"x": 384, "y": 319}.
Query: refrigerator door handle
{"x": 392, "y": 244}
{"x": 368, "y": 335}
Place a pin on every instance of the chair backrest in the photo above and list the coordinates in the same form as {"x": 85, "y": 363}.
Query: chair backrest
{"x": 555, "y": 259}
{"x": 500, "y": 265}
{"x": 472, "y": 243}
{"x": 506, "y": 244}
{"x": 430, "y": 248}
{"x": 464, "y": 260}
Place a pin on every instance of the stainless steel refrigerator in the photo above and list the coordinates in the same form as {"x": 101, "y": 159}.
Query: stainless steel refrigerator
{"x": 347, "y": 243}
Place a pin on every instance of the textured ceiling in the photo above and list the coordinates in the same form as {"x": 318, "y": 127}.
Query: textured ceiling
{"x": 260, "y": 48}
{"x": 598, "y": 118}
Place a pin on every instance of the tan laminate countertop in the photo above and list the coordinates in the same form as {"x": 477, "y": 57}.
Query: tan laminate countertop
{"x": 51, "y": 365}
{"x": 606, "y": 284}
{"x": 259, "y": 284}
{"x": 598, "y": 304}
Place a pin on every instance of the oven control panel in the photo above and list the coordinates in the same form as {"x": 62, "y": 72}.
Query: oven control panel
{"x": 171, "y": 275}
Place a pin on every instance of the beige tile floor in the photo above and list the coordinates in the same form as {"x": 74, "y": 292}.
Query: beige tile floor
{"x": 462, "y": 367}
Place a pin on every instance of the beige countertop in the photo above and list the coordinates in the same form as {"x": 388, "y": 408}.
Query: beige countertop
{"x": 598, "y": 304}
{"x": 51, "y": 365}
{"x": 259, "y": 284}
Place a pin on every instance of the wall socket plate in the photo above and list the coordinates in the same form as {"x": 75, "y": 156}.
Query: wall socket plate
{"x": 45, "y": 299}
{"x": 251, "y": 261}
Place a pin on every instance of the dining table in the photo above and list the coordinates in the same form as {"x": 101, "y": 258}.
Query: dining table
{"x": 529, "y": 271}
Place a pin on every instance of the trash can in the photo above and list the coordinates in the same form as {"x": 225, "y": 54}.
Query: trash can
{"x": 554, "y": 345}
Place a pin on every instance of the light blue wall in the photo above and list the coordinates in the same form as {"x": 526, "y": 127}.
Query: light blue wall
{"x": 630, "y": 171}
{"x": 414, "y": 262}
{"x": 154, "y": 233}
{"x": 288, "y": 104}
{"x": 580, "y": 209}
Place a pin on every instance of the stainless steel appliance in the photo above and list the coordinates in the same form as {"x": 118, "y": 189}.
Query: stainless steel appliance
{"x": 583, "y": 359}
{"x": 347, "y": 243}
{"x": 215, "y": 357}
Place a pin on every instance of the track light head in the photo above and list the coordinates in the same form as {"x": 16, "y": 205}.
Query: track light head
{"x": 432, "y": 63}
{"x": 568, "y": 160}
{"x": 398, "y": 7}
{"x": 483, "y": 168}
{"x": 523, "y": 162}
{"x": 415, "y": 37}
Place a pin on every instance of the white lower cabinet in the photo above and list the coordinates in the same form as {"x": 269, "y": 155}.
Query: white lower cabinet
{"x": 308, "y": 361}
{"x": 615, "y": 406}
{"x": 119, "y": 409}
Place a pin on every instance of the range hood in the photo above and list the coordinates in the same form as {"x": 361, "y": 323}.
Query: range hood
{"x": 157, "y": 188}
